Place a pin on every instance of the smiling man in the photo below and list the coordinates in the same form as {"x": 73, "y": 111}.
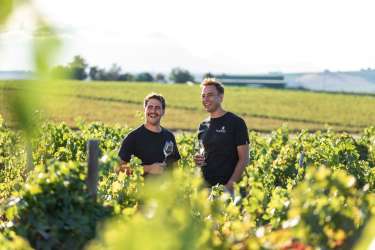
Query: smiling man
{"x": 225, "y": 139}
{"x": 150, "y": 142}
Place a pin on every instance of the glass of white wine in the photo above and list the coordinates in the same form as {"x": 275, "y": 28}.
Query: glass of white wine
{"x": 199, "y": 147}
{"x": 168, "y": 149}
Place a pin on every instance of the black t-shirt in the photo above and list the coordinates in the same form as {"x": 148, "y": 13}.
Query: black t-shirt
{"x": 221, "y": 136}
{"x": 148, "y": 146}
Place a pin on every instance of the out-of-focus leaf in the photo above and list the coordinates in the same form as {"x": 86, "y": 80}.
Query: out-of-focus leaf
{"x": 367, "y": 240}
{"x": 45, "y": 48}
{"x": 23, "y": 105}
{"x": 6, "y": 8}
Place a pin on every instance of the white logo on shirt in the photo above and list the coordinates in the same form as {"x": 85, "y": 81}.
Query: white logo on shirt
{"x": 222, "y": 130}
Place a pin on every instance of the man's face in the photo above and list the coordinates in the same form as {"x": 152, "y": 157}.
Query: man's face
{"x": 211, "y": 99}
{"x": 153, "y": 112}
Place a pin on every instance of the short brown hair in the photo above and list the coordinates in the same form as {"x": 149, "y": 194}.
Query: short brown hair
{"x": 156, "y": 96}
{"x": 213, "y": 82}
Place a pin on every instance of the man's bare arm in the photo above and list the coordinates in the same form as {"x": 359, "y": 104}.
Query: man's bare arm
{"x": 155, "y": 168}
{"x": 243, "y": 161}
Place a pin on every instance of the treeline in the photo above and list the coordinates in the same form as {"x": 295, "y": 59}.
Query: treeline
{"x": 79, "y": 69}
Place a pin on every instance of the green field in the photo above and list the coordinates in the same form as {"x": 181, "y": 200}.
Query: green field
{"x": 263, "y": 109}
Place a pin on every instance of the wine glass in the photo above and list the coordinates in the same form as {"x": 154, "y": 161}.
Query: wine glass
{"x": 199, "y": 147}
{"x": 168, "y": 149}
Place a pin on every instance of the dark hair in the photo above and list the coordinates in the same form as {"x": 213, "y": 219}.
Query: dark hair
{"x": 156, "y": 96}
{"x": 213, "y": 82}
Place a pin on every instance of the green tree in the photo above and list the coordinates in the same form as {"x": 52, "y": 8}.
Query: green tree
{"x": 179, "y": 75}
{"x": 144, "y": 77}
{"x": 77, "y": 68}
{"x": 126, "y": 77}
{"x": 208, "y": 75}
{"x": 94, "y": 73}
{"x": 160, "y": 77}
{"x": 114, "y": 72}
{"x": 60, "y": 71}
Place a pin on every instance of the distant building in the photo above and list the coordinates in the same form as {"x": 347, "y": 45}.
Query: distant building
{"x": 352, "y": 82}
{"x": 267, "y": 81}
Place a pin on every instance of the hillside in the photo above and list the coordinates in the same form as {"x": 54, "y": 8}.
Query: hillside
{"x": 263, "y": 109}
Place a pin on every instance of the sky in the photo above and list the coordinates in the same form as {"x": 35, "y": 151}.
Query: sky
{"x": 246, "y": 37}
